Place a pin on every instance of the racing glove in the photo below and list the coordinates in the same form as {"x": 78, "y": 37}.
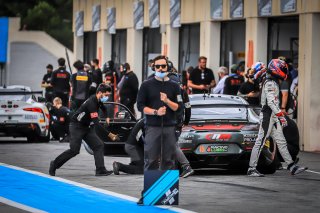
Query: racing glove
{"x": 282, "y": 119}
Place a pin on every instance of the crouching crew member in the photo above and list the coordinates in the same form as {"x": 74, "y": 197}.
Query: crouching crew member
{"x": 59, "y": 126}
{"x": 82, "y": 127}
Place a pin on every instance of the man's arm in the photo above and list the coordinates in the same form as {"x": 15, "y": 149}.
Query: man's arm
{"x": 174, "y": 106}
{"x": 194, "y": 86}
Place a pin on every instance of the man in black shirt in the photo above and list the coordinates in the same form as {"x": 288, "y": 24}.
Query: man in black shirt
{"x": 201, "y": 79}
{"x": 128, "y": 87}
{"x": 80, "y": 82}
{"x": 59, "y": 120}
{"x": 82, "y": 127}
{"x": 60, "y": 81}
{"x": 46, "y": 83}
{"x": 96, "y": 76}
{"x": 159, "y": 99}
{"x": 250, "y": 89}
{"x": 233, "y": 82}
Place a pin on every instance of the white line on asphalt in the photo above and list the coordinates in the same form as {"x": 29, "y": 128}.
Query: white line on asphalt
{"x": 313, "y": 171}
{"x": 19, "y": 205}
{"x": 125, "y": 197}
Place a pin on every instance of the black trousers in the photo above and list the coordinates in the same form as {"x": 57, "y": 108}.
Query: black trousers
{"x": 59, "y": 130}
{"x": 136, "y": 155}
{"x": 77, "y": 133}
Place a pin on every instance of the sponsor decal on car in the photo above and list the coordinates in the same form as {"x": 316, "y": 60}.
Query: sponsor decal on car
{"x": 218, "y": 137}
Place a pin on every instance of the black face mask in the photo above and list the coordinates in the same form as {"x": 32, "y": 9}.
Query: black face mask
{"x": 49, "y": 71}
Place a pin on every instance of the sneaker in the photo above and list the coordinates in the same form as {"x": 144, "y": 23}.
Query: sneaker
{"x": 186, "y": 171}
{"x": 253, "y": 172}
{"x": 103, "y": 172}
{"x": 52, "y": 169}
{"x": 116, "y": 166}
{"x": 295, "y": 169}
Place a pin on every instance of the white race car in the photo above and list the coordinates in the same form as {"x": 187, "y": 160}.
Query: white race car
{"x": 22, "y": 115}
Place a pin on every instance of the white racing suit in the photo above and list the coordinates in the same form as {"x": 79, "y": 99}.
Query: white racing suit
{"x": 270, "y": 124}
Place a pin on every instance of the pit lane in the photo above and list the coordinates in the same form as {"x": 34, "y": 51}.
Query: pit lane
{"x": 206, "y": 191}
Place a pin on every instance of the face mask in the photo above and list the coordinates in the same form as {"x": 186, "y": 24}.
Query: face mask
{"x": 104, "y": 99}
{"x": 161, "y": 75}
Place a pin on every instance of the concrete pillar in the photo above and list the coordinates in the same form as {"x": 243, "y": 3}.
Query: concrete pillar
{"x": 104, "y": 46}
{"x": 257, "y": 31}
{"x": 210, "y": 35}
{"x": 78, "y": 45}
{"x": 170, "y": 44}
{"x": 309, "y": 87}
{"x": 135, "y": 51}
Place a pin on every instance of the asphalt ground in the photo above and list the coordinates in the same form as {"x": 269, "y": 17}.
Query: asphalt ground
{"x": 206, "y": 191}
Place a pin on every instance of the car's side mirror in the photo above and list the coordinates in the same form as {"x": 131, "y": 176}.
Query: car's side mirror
{"x": 41, "y": 99}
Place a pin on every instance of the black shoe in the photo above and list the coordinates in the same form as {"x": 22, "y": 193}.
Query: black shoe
{"x": 52, "y": 169}
{"x": 116, "y": 166}
{"x": 187, "y": 171}
{"x": 140, "y": 201}
{"x": 103, "y": 172}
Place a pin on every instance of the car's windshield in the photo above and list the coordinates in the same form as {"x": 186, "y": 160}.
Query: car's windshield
{"x": 211, "y": 112}
{"x": 14, "y": 97}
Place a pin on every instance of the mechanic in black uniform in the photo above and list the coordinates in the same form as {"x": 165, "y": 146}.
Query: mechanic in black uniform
{"x": 201, "y": 79}
{"x": 59, "y": 120}
{"x": 82, "y": 127}
{"x": 96, "y": 76}
{"x": 80, "y": 82}
{"x": 128, "y": 87}
{"x": 233, "y": 82}
{"x": 60, "y": 81}
{"x": 46, "y": 83}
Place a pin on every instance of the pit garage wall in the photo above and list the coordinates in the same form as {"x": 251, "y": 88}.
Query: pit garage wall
{"x": 198, "y": 11}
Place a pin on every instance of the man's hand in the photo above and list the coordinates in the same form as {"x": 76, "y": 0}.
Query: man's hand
{"x": 162, "y": 111}
{"x": 282, "y": 119}
{"x": 163, "y": 97}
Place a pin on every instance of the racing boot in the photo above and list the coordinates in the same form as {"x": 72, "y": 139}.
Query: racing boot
{"x": 186, "y": 171}
{"x": 103, "y": 172}
{"x": 295, "y": 169}
{"x": 113, "y": 137}
{"x": 253, "y": 172}
{"x": 52, "y": 169}
{"x": 116, "y": 167}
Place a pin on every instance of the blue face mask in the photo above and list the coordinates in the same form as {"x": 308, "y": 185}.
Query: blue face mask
{"x": 161, "y": 75}
{"x": 104, "y": 99}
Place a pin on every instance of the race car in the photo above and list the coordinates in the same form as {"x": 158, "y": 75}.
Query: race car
{"x": 23, "y": 115}
{"x": 221, "y": 133}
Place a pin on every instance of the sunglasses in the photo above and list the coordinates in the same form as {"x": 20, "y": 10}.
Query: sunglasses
{"x": 160, "y": 65}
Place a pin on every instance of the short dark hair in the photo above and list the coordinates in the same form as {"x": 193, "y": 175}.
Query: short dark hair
{"x": 202, "y": 57}
{"x": 103, "y": 88}
{"x": 159, "y": 57}
{"x": 126, "y": 66}
{"x": 49, "y": 66}
{"x": 78, "y": 65}
{"x": 95, "y": 60}
{"x": 61, "y": 62}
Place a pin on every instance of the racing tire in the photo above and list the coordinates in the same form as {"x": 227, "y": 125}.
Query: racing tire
{"x": 34, "y": 138}
{"x": 268, "y": 159}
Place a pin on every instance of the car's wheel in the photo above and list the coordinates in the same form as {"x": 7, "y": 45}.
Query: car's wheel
{"x": 268, "y": 158}
{"x": 87, "y": 148}
{"x": 44, "y": 139}
{"x": 33, "y": 138}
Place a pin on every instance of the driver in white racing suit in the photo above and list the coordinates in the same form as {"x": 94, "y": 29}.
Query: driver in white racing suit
{"x": 272, "y": 119}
